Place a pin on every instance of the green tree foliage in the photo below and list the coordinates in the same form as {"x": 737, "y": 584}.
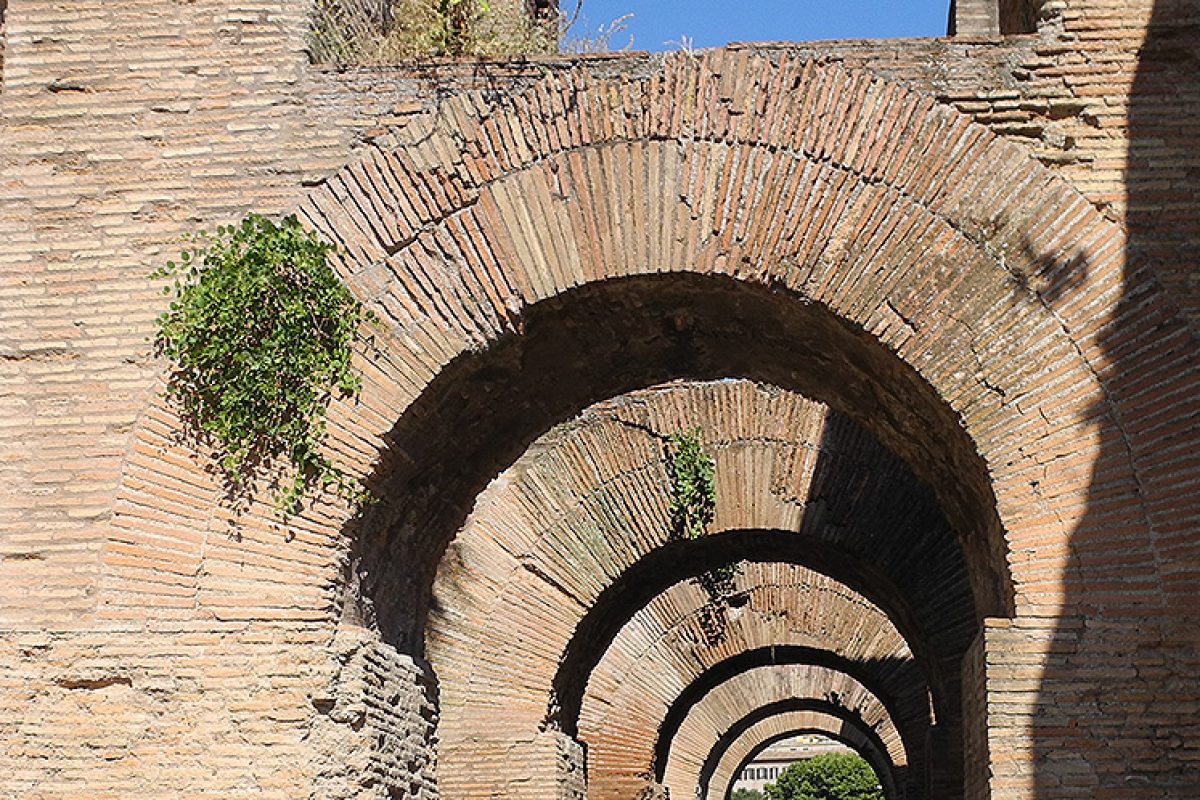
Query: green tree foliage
{"x": 834, "y": 776}
{"x": 261, "y": 332}
{"x": 747, "y": 794}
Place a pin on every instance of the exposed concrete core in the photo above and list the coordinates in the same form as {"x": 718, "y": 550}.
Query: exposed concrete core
{"x": 379, "y": 721}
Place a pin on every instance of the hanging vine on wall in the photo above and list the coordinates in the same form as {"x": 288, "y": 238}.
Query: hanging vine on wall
{"x": 262, "y": 333}
{"x": 693, "y": 504}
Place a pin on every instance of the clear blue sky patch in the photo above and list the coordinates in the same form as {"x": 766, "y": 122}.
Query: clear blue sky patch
{"x": 664, "y": 24}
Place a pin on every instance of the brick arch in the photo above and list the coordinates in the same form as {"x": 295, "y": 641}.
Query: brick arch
{"x": 572, "y": 541}
{"x": 668, "y": 656}
{"x": 673, "y": 172}
{"x": 778, "y": 727}
{"x": 910, "y": 291}
{"x": 727, "y": 710}
{"x": 725, "y": 168}
{"x": 783, "y": 655}
{"x": 578, "y": 182}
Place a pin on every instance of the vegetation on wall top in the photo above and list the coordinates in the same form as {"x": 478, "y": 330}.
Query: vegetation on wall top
{"x": 262, "y": 334}
{"x": 380, "y": 32}
{"x": 368, "y": 32}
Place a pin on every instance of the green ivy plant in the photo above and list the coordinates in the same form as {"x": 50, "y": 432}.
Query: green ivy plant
{"x": 262, "y": 332}
{"x": 693, "y": 503}
{"x": 693, "y": 485}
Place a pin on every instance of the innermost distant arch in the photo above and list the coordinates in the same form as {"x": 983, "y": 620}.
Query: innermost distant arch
{"x": 663, "y": 24}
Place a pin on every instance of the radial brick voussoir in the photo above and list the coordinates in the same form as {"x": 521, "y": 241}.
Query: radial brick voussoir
{"x": 932, "y": 305}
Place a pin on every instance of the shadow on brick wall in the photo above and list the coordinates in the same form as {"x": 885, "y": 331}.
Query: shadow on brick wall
{"x": 1116, "y": 714}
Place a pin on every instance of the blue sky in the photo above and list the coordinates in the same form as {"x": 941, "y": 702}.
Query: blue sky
{"x": 712, "y": 23}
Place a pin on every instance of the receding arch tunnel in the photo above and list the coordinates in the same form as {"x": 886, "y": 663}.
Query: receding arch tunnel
{"x": 872, "y": 748}
{"x": 752, "y": 659}
{"x": 665, "y": 660}
{"x": 600, "y": 341}
{"x": 463, "y": 442}
{"x": 553, "y": 562}
{"x": 733, "y": 707}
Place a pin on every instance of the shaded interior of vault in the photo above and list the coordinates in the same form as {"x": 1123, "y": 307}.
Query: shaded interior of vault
{"x": 601, "y": 341}
{"x": 482, "y": 412}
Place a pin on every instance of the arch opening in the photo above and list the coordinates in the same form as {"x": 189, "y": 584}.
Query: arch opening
{"x": 773, "y": 656}
{"x": 684, "y": 560}
{"x": 661, "y": 664}
{"x": 890, "y": 771}
{"x": 624, "y": 334}
{"x": 846, "y": 736}
{"x": 546, "y": 536}
{"x": 603, "y": 340}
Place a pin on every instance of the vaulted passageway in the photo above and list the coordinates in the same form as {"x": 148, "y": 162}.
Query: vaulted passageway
{"x": 838, "y": 325}
{"x": 567, "y": 574}
{"x": 678, "y": 649}
{"x": 930, "y": 305}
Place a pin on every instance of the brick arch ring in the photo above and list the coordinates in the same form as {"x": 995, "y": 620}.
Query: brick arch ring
{"x": 728, "y": 171}
{"x": 726, "y": 168}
